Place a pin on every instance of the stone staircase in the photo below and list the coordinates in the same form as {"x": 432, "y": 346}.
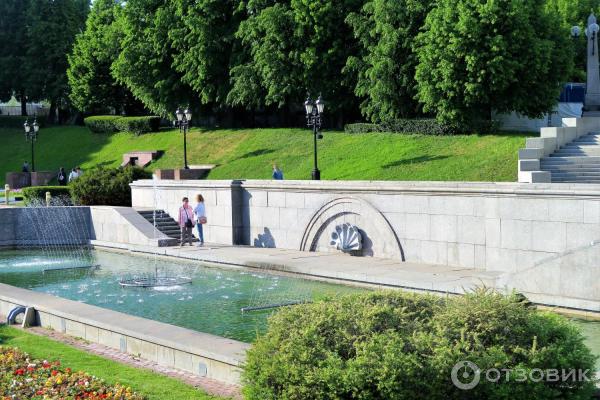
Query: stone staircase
{"x": 576, "y": 162}
{"x": 164, "y": 223}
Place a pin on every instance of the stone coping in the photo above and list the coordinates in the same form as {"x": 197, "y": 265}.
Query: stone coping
{"x": 390, "y": 187}
{"x": 221, "y": 349}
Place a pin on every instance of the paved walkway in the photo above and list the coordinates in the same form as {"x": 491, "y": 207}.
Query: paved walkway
{"x": 338, "y": 267}
{"x": 210, "y": 386}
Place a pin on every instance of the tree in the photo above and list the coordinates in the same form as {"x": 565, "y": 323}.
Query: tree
{"x": 476, "y": 56}
{"x": 574, "y": 12}
{"x": 51, "y": 30}
{"x": 294, "y": 47}
{"x": 92, "y": 86}
{"x": 13, "y": 47}
{"x": 385, "y": 69}
{"x": 146, "y": 62}
{"x": 204, "y": 41}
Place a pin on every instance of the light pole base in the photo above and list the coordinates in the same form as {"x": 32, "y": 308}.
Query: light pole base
{"x": 316, "y": 175}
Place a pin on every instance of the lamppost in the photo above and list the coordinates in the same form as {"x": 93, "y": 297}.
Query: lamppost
{"x": 591, "y": 104}
{"x": 31, "y": 132}
{"x": 314, "y": 110}
{"x": 184, "y": 118}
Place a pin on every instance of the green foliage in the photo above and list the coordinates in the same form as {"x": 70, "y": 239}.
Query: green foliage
{"x": 145, "y": 62}
{"x": 385, "y": 69}
{"x": 393, "y": 345}
{"x": 115, "y": 123}
{"x": 293, "y": 47}
{"x": 411, "y": 126}
{"x": 474, "y": 56}
{"x": 108, "y": 187}
{"x": 92, "y": 86}
{"x": 13, "y": 48}
{"x": 51, "y": 29}
{"x": 37, "y": 194}
{"x": 17, "y": 121}
{"x": 102, "y": 123}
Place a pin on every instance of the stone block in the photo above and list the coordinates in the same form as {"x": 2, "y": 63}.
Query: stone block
{"x": 504, "y": 260}
{"x": 288, "y": 217}
{"x": 42, "y": 178}
{"x": 549, "y": 237}
{"x": 479, "y": 261}
{"x": 529, "y": 165}
{"x": 18, "y": 180}
{"x": 580, "y": 235}
{"x": 165, "y": 356}
{"x": 165, "y": 174}
{"x": 76, "y": 329}
{"x": 462, "y": 255}
{"x": 546, "y": 143}
{"x": 294, "y": 200}
{"x": 276, "y": 199}
{"x": 443, "y": 228}
{"x": 258, "y": 198}
{"x": 434, "y": 252}
{"x": 149, "y": 351}
{"x": 591, "y": 212}
{"x": 413, "y": 204}
{"x": 92, "y": 334}
{"x": 529, "y": 154}
{"x": 223, "y": 198}
{"x": 185, "y": 174}
{"x": 183, "y": 360}
{"x": 492, "y": 232}
{"x": 471, "y": 229}
{"x": 515, "y": 234}
{"x": 564, "y": 210}
{"x": 417, "y": 226}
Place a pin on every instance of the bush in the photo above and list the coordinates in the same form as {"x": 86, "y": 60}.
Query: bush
{"x": 115, "y": 123}
{"x": 37, "y": 194}
{"x": 393, "y": 345}
{"x": 22, "y": 377}
{"x": 16, "y": 122}
{"x": 109, "y": 187}
{"x": 405, "y": 126}
{"x": 102, "y": 123}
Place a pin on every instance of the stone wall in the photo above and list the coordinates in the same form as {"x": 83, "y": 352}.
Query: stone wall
{"x": 523, "y": 230}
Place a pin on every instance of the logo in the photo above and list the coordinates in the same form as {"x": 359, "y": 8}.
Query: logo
{"x": 465, "y": 375}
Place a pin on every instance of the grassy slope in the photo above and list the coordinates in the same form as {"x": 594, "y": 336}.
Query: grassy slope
{"x": 154, "y": 386}
{"x": 250, "y": 153}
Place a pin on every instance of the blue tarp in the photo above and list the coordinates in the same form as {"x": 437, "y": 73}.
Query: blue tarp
{"x": 572, "y": 93}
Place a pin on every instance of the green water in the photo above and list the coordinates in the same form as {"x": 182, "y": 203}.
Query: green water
{"x": 210, "y": 304}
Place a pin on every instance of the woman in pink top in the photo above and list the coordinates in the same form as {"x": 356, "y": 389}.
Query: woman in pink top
{"x": 186, "y": 221}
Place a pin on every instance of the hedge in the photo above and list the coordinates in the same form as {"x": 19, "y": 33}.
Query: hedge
{"x": 108, "y": 187}
{"x": 37, "y": 194}
{"x": 115, "y": 123}
{"x": 394, "y": 345}
{"x": 405, "y": 126}
{"x": 17, "y": 121}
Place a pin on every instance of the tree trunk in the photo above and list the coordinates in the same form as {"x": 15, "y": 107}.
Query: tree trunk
{"x": 52, "y": 113}
{"x": 23, "y": 105}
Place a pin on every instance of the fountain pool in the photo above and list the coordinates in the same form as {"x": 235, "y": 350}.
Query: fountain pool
{"x": 211, "y": 303}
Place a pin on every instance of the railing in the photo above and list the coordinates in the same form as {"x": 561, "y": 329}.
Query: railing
{"x": 32, "y": 109}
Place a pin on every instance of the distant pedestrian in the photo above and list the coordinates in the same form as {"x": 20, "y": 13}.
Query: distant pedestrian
{"x": 62, "y": 177}
{"x": 186, "y": 222}
{"x": 277, "y": 173}
{"x": 200, "y": 211}
{"x": 75, "y": 173}
{"x": 25, "y": 167}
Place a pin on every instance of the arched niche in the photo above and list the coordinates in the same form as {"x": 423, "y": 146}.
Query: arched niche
{"x": 379, "y": 238}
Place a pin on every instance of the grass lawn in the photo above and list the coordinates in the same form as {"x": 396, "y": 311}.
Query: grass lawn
{"x": 154, "y": 386}
{"x": 249, "y": 153}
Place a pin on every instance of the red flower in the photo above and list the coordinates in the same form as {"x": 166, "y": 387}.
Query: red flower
{"x": 54, "y": 372}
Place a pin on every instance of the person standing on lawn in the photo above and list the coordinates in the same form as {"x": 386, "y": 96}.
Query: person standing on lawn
{"x": 62, "y": 177}
{"x": 277, "y": 173}
{"x": 200, "y": 211}
{"x": 186, "y": 222}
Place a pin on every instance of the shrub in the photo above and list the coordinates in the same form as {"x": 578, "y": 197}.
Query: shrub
{"x": 22, "y": 377}
{"x": 115, "y": 123}
{"x": 393, "y": 345}
{"x": 405, "y": 126}
{"x": 37, "y": 194}
{"x": 17, "y": 121}
{"x": 108, "y": 187}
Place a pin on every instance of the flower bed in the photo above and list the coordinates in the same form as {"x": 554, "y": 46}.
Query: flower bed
{"x": 22, "y": 378}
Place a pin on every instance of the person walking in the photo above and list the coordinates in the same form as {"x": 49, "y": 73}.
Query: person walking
{"x": 62, "y": 177}
{"x": 277, "y": 173}
{"x": 186, "y": 222}
{"x": 25, "y": 167}
{"x": 200, "y": 212}
{"x": 75, "y": 173}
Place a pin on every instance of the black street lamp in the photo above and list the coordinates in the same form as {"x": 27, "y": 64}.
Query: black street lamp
{"x": 184, "y": 118}
{"x": 31, "y": 132}
{"x": 314, "y": 110}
